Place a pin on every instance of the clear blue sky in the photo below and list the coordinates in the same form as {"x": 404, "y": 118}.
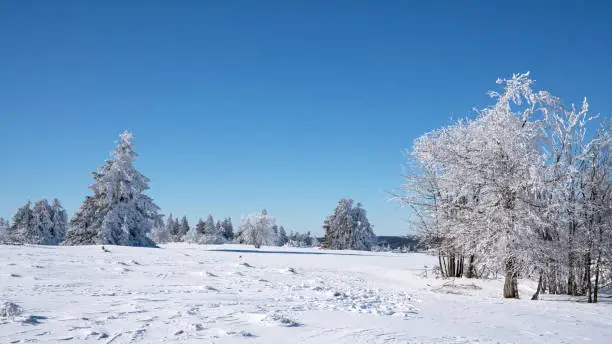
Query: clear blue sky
{"x": 288, "y": 105}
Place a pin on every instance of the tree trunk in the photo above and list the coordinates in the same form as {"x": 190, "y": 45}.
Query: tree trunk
{"x": 511, "y": 282}
{"x": 596, "y": 289}
{"x": 587, "y": 277}
{"x": 537, "y": 293}
{"x": 460, "y": 267}
{"x": 470, "y": 270}
{"x": 442, "y": 265}
{"x": 571, "y": 278}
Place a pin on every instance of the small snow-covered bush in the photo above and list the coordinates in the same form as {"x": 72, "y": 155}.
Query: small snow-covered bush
{"x": 10, "y": 309}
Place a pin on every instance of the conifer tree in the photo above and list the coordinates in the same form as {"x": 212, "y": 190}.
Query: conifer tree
{"x": 23, "y": 222}
{"x": 228, "y": 229}
{"x": 176, "y": 230}
{"x": 282, "y": 236}
{"x": 184, "y": 227}
{"x": 59, "y": 217}
{"x": 194, "y": 235}
{"x": 200, "y": 226}
{"x": 348, "y": 228}
{"x": 118, "y": 213}
{"x": 4, "y": 230}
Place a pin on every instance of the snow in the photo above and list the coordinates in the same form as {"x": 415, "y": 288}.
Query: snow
{"x": 185, "y": 293}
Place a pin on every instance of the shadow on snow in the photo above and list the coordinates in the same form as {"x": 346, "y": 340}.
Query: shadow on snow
{"x": 284, "y": 252}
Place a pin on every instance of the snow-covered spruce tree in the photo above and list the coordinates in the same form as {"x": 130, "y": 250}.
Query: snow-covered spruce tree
{"x": 209, "y": 226}
{"x": 348, "y": 228}
{"x": 213, "y": 235}
{"x": 195, "y": 233}
{"x": 282, "y": 236}
{"x": 22, "y": 228}
{"x": 256, "y": 229}
{"x": 170, "y": 228}
{"x": 300, "y": 240}
{"x": 42, "y": 223}
{"x": 363, "y": 237}
{"x": 338, "y": 225}
{"x": 119, "y": 213}
{"x": 200, "y": 226}
{"x": 5, "y": 227}
{"x": 176, "y": 231}
{"x": 184, "y": 227}
{"x": 219, "y": 228}
{"x": 59, "y": 217}
{"x": 228, "y": 229}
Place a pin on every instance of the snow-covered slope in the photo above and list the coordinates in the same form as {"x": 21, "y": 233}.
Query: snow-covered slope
{"x": 235, "y": 294}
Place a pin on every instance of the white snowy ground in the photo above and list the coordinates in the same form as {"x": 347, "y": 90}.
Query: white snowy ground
{"x": 209, "y": 294}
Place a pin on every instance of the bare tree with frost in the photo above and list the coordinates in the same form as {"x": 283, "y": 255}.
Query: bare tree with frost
{"x": 160, "y": 233}
{"x": 514, "y": 189}
{"x": 256, "y": 229}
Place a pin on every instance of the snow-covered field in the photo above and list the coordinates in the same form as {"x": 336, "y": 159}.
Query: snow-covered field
{"x": 235, "y": 294}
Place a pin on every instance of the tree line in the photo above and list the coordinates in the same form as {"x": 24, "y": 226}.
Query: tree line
{"x": 120, "y": 213}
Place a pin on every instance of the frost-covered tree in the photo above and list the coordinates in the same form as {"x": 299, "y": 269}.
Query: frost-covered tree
{"x": 194, "y": 235}
{"x": 176, "y": 231}
{"x": 42, "y": 224}
{"x": 59, "y": 217}
{"x": 213, "y": 234}
{"x": 170, "y": 227}
{"x": 516, "y": 189}
{"x": 282, "y": 236}
{"x": 22, "y": 228}
{"x": 256, "y": 229}
{"x": 118, "y": 213}
{"x": 200, "y": 227}
{"x": 228, "y": 229}
{"x": 362, "y": 238}
{"x": 5, "y": 227}
{"x": 219, "y": 228}
{"x": 183, "y": 228}
{"x": 300, "y": 240}
{"x": 348, "y": 228}
{"x": 160, "y": 233}
{"x": 209, "y": 226}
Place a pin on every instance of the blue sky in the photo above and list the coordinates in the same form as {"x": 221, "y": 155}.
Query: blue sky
{"x": 287, "y": 105}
